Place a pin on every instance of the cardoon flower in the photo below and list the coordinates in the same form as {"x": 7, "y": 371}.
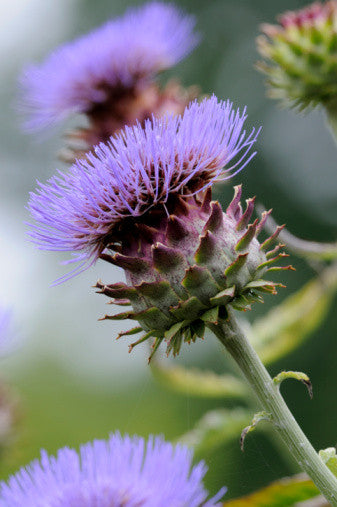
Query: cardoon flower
{"x": 301, "y": 56}
{"x": 127, "y": 472}
{"x": 109, "y": 74}
{"x": 143, "y": 202}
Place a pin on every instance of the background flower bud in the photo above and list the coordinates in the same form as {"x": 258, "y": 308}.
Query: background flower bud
{"x": 300, "y": 56}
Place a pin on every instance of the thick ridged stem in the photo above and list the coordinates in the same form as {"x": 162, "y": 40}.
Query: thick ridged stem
{"x": 233, "y": 338}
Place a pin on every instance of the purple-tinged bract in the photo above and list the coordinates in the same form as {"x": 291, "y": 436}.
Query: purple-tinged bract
{"x": 86, "y": 209}
{"x": 313, "y": 15}
{"x": 121, "y": 471}
{"x": 102, "y": 64}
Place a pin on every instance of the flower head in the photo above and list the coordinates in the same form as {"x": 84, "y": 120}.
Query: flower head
{"x": 106, "y": 73}
{"x": 143, "y": 203}
{"x": 301, "y": 56}
{"x": 121, "y": 471}
{"x": 142, "y": 169}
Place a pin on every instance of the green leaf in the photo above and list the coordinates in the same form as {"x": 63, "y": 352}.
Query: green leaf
{"x": 286, "y": 326}
{"x": 282, "y": 493}
{"x": 330, "y": 459}
{"x": 259, "y": 417}
{"x": 198, "y": 383}
{"x": 216, "y": 428}
{"x": 296, "y": 375}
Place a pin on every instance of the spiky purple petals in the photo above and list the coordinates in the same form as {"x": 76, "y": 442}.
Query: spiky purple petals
{"x": 121, "y": 471}
{"x": 83, "y": 210}
{"x": 123, "y": 51}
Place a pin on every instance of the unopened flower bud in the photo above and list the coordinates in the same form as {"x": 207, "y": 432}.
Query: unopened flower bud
{"x": 300, "y": 56}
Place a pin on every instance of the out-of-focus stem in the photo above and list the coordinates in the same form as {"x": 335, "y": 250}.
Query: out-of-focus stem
{"x": 331, "y": 111}
{"x": 233, "y": 338}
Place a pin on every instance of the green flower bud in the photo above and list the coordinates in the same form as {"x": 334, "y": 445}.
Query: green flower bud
{"x": 300, "y": 56}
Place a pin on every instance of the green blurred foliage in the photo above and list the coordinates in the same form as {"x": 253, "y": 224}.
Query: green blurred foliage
{"x": 330, "y": 458}
{"x": 216, "y": 428}
{"x": 57, "y": 410}
{"x": 284, "y": 493}
{"x": 287, "y": 325}
{"x": 201, "y": 383}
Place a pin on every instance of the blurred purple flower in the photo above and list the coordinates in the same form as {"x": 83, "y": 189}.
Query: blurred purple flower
{"x": 139, "y": 169}
{"x": 84, "y": 73}
{"x": 121, "y": 471}
{"x": 7, "y": 341}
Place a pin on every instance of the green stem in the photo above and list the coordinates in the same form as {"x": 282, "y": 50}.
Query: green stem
{"x": 236, "y": 343}
{"x": 331, "y": 111}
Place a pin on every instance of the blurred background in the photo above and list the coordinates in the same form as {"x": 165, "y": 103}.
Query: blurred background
{"x": 74, "y": 380}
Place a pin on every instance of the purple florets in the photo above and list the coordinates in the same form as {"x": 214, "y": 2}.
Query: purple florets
{"x": 80, "y": 74}
{"x": 137, "y": 170}
{"x": 121, "y": 471}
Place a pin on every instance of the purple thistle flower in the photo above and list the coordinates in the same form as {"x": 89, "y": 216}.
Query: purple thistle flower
{"x": 83, "y": 210}
{"x": 98, "y": 66}
{"x": 121, "y": 471}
